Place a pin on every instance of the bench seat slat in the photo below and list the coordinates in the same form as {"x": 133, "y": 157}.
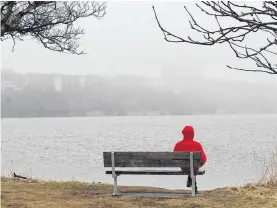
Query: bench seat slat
{"x": 152, "y": 159}
{"x": 152, "y": 163}
{"x": 154, "y": 155}
{"x": 152, "y": 172}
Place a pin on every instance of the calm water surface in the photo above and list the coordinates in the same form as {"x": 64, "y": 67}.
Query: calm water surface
{"x": 71, "y": 148}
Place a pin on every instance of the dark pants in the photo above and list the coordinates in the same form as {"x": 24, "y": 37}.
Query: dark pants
{"x": 189, "y": 183}
{"x": 189, "y": 180}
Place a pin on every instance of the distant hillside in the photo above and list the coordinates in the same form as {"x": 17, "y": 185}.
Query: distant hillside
{"x": 50, "y": 95}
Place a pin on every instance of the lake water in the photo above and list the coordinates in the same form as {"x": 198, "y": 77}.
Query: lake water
{"x": 71, "y": 148}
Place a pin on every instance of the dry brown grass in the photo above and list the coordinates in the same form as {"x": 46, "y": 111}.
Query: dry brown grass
{"x": 38, "y": 194}
{"x": 269, "y": 176}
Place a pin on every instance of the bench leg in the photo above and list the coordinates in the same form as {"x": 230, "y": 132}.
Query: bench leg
{"x": 115, "y": 188}
{"x": 193, "y": 186}
{"x": 193, "y": 194}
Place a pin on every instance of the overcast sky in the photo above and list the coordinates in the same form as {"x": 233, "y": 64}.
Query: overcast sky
{"x": 128, "y": 41}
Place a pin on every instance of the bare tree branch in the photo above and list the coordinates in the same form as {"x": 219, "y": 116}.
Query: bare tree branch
{"x": 49, "y": 22}
{"x": 247, "y": 21}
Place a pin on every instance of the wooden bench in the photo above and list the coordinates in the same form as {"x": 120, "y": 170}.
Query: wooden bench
{"x": 154, "y": 160}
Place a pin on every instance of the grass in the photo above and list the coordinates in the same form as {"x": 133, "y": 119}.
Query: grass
{"x": 269, "y": 176}
{"x": 18, "y": 193}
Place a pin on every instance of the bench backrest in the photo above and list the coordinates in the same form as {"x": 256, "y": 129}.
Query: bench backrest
{"x": 152, "y": 159}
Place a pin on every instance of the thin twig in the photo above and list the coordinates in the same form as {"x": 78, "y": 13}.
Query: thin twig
{"x": 249, "y": 20}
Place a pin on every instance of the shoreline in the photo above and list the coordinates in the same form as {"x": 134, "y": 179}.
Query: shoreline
{"x": 38, "y": 193}
{"x": 166, "y": 115}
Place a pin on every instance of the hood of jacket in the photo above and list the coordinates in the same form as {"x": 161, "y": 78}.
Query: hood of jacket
{"x": 188, "y": 133}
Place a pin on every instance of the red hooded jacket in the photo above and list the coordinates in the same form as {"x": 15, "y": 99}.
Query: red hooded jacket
{"x": 188, "y": 145}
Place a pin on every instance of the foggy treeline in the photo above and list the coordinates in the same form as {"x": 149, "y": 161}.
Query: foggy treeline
{"x": 54, "y": 95}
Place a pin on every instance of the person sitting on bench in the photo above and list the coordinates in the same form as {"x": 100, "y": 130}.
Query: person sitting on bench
{"x": 189, "y": 145}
